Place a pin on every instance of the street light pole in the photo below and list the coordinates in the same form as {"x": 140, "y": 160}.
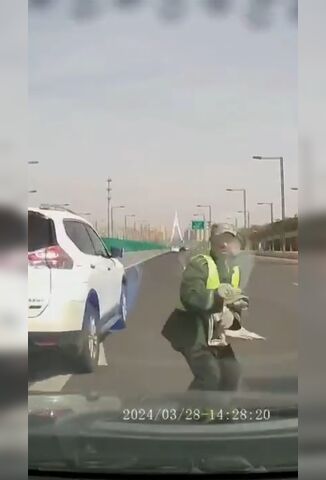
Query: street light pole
{"x": 245, "y": 208}
{"x": 33, "y": 162}
{"x": 112, "y": 224}
{"x": 281, "y": 160}
{"x": 126, "y": 217}
{"x": 247, "y": 216}
{"x": 282, "y": 187}
{"x": 110, "y": 220}
{"x": 209, "y": 213}
{"x": 244, "y": 191}
{"x": 271, "y": 205}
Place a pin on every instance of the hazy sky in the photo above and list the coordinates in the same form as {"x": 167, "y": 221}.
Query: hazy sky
{"x": 172, "y": 112}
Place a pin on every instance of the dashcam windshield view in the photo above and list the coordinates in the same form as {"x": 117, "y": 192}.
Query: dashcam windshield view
{"x": 162, "y": 236}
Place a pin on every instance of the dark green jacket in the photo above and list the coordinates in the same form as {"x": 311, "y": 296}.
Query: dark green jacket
{"x": 187, "y": 325}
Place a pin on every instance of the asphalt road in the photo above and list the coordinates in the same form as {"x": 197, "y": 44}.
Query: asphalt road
{"x": 139, "y": 361}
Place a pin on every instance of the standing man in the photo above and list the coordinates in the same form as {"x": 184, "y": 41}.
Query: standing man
{"x": 211, "y": 297}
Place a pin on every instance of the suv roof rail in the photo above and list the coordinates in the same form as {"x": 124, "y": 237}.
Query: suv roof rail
{"x": 53, "y": 206}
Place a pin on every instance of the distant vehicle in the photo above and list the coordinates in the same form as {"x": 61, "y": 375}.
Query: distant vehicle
{"x": 77, "y": 288}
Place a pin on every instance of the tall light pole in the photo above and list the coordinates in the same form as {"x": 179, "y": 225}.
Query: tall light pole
{"x": 244, "y": 192}
{"x": 281, "y": 160}
{"x": 209, "y": 213}
{"x": 248, "y": 217}
{"x": 295, "y": 189}
{"x": 112, "y": 221}
{"x": 236, "y": 218}
{"x": 128, "y": 215}
{"x": 33, "y": 162}
{"x": 271, "y": 206}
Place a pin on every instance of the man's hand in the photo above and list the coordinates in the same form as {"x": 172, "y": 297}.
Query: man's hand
{"x": 241, "y": 304}
{"x": 228, "y": 293}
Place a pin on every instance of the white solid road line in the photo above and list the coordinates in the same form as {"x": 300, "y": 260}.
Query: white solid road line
{"x": 53, "y": 384}
{"x": 102, "y": 361}
{"x": 56, "y": 384}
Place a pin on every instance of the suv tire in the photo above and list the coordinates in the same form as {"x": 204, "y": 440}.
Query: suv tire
{"x": 89, "y": 342}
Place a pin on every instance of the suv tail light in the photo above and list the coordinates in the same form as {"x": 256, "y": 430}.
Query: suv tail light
{"x": 52, "y": 257}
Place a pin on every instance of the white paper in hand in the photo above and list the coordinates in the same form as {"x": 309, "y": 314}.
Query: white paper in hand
{"x": 243, "y": 334}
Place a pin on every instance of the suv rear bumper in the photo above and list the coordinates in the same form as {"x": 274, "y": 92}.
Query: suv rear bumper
{"x": 58, "y": 317}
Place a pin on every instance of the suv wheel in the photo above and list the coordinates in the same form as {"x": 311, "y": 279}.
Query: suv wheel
{"x": 123, "y": 304}
{"x": 88, "y": 357}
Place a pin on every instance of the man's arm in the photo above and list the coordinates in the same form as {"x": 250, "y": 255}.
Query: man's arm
{"x": 193, "y": 292}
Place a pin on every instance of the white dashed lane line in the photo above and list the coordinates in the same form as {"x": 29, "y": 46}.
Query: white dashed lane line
{"x": 52, "y": 384}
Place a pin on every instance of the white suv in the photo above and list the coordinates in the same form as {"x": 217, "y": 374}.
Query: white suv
{"x": 77, "y": 289}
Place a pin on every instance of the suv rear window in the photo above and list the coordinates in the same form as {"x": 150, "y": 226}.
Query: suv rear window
{"x": 41, "y": 233}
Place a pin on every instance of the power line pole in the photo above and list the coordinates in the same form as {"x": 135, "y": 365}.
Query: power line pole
{"x": 283, "y": 202}
{"x": 109, "y": 189}
{"x": 245, "y": 219}
{"x": 282, "y": 187}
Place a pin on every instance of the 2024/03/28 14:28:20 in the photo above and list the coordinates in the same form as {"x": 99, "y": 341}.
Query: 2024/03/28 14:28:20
{"x": 195, "y": 414}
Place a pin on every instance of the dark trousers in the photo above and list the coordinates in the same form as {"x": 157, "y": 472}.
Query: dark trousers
{"x": 213, "y": 368}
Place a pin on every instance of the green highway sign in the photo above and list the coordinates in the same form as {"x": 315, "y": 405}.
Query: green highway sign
{"x": 198, "y": 225}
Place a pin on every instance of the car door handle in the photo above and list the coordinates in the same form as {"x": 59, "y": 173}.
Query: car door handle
{"x": 109, "y": 268}
{"x": 92, "y": 265}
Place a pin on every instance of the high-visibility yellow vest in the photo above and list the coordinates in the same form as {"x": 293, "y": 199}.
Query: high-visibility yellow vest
{"x": 213, "y": 279}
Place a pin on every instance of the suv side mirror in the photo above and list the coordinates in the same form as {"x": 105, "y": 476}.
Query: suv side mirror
{"x": 117, "y": 252}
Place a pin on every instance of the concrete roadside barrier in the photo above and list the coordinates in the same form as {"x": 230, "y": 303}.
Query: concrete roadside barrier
{"x": 288, "y": 257}
{"x": 273, "y": 254}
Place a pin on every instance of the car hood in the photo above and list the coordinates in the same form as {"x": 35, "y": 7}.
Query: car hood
{"x": 95, "y": 402}
{"x": 90, "y": 436}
